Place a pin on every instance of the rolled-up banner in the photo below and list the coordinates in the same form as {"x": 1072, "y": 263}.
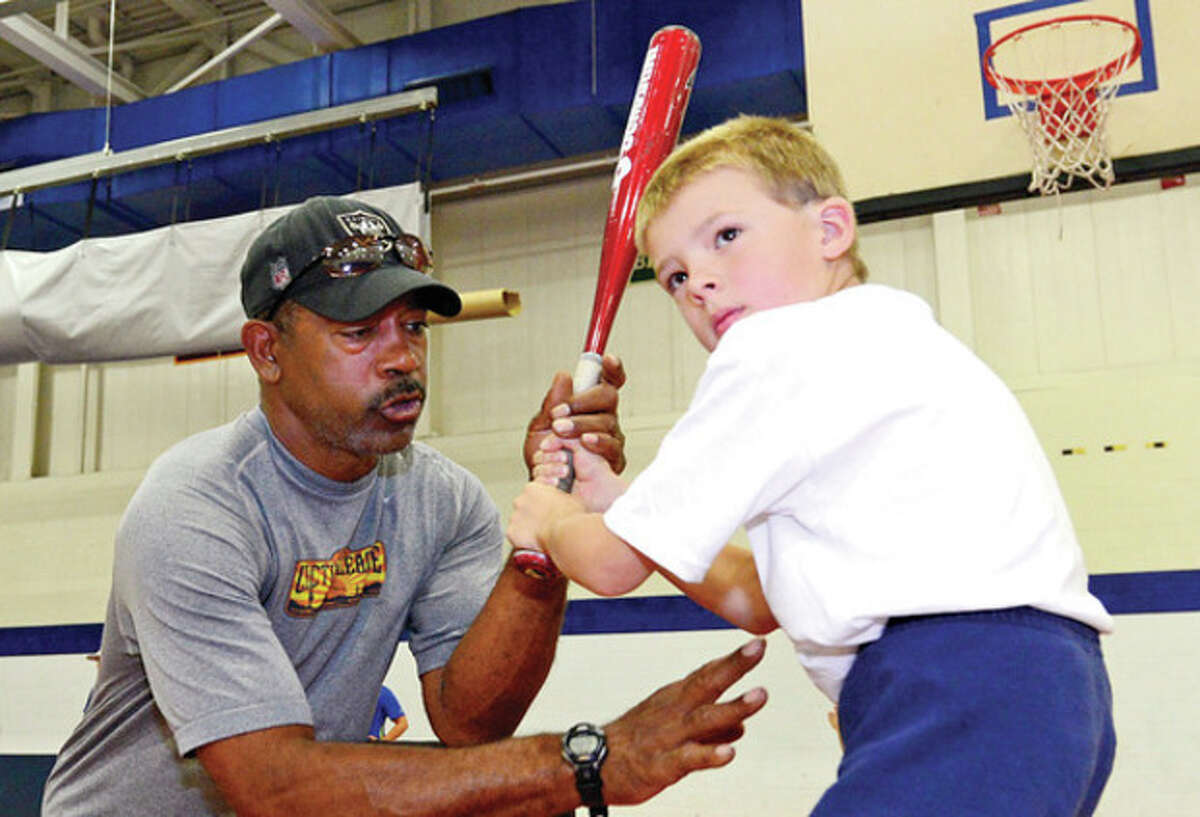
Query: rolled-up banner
{"x": 483, "y": 303}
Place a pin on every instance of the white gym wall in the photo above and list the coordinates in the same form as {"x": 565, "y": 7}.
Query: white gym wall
{"x": 1089, "y": 307}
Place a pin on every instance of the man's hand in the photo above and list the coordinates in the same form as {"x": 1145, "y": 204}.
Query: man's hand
{"x": 286, "y": 771}
{"x": 590, "y": 416}
{"x": 680, "y": 729}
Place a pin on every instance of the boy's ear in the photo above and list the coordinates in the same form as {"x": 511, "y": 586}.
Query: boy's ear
{"x": 260, "y": 339}
{"x": 838, "y": 227}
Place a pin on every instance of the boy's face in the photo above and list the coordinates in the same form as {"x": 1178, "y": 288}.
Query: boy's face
{"x": 724, "y": 248}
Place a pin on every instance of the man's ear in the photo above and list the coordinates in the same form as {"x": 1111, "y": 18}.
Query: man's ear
{"x": 260, "y": 339}
{"x": 838, "y": 227}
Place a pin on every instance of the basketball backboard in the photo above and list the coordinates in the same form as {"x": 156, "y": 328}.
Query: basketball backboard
{"x": 897, "y": 90}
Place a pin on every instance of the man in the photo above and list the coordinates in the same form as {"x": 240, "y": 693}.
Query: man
{"x": 266, "y": 570}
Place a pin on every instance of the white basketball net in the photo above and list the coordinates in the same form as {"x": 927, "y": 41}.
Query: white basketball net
{"x": 1064, "y": 116}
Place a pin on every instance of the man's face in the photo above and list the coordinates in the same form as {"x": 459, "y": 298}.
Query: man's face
{"x": 352, "y": 391}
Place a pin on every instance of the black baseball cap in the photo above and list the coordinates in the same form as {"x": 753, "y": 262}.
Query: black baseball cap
{"x": 280, "y": 265}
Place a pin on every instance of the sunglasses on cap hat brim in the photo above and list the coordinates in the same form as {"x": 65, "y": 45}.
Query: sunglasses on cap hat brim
{"x": 358, "y": 255}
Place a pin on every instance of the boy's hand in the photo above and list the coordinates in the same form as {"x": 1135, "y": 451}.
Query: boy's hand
{"x": 590, "y": 415}
{"x": 535, "y": 510}
{"x": 595, "y": 483}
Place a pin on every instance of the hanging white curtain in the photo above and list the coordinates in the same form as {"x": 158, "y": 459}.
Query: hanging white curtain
{"x": 170, "y": 291}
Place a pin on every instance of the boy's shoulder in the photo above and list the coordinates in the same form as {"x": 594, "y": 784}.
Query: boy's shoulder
{"x": 872, "y": 297}
{"x": 862, "y": 305}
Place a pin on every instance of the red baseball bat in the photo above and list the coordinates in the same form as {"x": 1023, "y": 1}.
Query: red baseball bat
{"x": 651, "y": 131}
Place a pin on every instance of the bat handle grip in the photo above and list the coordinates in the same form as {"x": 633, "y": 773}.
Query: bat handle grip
{"x": 566, "y": 483}
{"x": 587, "y": 371}
{"x": 534, "y": 563}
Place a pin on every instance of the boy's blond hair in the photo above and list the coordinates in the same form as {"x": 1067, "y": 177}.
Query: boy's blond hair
{"x": 787, "y": 159}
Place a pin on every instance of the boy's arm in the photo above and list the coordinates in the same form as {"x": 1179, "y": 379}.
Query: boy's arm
{"x": 544, "y": 518}
{"x": 731, "y": 589}
{"x": 586, "y": 551}
{"x": 592, "y": 555}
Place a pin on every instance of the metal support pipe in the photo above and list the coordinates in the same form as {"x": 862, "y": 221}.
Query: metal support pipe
{"x": 243, "y": 41}
{"x": 100, "y": 163}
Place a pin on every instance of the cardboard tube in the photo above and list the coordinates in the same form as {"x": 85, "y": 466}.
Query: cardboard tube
{"x": 477, "y": 305}
{"x": 483, "y": 303}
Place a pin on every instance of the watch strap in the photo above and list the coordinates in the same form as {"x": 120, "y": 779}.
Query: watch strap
{"x": 586, "y": 763}
{"x": 591, "y": 790}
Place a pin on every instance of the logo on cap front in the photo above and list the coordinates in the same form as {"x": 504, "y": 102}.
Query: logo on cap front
{"x": 281, "y": 276}
{"x": 360, "y": 222}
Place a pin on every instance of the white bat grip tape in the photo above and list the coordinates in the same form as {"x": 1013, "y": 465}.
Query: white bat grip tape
{"x": 587, "y": 371}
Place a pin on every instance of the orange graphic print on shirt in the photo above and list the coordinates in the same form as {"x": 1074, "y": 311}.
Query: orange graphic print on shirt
{"x": 342, "y": 580}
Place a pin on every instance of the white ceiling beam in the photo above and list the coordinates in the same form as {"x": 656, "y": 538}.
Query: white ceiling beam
{"x": 316, "y": 23}
{"x": 243, "y": 41}
{"x": 274, "y": 53}
{"x": 184, "y": 65}
{"x": 62, "y": 18}
{"x": 200, "y": 11}
{"x": 11, "y": 7}
{"x": 66, "y": 58}
{"x": 193, "y": 11}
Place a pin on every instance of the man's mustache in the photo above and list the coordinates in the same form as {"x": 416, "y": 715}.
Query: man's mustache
{"x": 397, "y": 388}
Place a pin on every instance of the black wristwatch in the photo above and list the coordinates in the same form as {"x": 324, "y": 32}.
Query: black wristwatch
{"x": 585, "y": 747}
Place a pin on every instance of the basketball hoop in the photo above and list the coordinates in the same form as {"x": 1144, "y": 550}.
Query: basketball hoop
{"x": 1058, "y": 78}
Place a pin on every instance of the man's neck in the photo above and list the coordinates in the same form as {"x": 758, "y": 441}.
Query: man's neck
{"x": 315, "y": 454}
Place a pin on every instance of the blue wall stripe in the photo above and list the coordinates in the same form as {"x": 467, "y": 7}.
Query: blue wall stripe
{"x": 50, "y": 640}
{"x": 1166, "y": 591}
{"x": 639, "y": 614}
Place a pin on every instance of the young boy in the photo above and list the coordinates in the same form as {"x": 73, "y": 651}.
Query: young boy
{"x": 906, "y": 530}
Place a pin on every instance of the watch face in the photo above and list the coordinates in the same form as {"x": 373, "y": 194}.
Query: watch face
{"x": 584, "y": 746}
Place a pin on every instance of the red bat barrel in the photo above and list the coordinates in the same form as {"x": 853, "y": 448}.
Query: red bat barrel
{"x": 659, "y": 103}
{"x": 651, "y": 131}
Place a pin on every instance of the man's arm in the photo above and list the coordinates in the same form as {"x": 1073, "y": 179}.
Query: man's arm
{"x": 679, "y": 729}
{"x": 486, "y": 687}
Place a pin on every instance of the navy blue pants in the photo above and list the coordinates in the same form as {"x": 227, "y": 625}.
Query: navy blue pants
{"x": 1003, "y": 713}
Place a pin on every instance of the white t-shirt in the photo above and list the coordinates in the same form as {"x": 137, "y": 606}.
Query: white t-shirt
{"x": 880, "y": 469}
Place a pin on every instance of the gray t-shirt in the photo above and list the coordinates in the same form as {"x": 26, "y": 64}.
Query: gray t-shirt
{"x": 250, "y": 592}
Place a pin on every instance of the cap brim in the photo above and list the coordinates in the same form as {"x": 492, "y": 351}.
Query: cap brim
{"x": 354, "y": 299}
